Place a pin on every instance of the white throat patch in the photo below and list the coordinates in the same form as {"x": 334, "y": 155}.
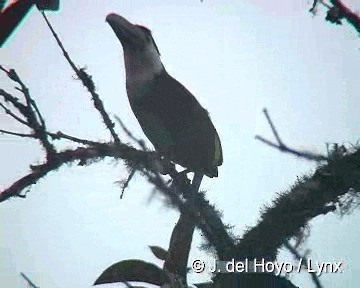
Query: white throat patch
{"x": 142, "y": 66}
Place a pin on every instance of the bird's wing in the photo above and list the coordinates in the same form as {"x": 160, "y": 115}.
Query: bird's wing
{"x": 154, "y": 128}
{"x": 176, "y": 118}
{"x": 175, "y": 105}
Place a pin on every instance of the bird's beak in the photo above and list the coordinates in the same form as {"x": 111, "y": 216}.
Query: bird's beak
{"x": 128, "y": 33}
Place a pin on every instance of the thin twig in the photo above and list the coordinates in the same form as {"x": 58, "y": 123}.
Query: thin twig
{"x": 3, "y": 69}
{"x": 297, "y": 256}
{"x": 130, "y": 135}
{"x": 61, "y": 135}
{"x": 284, "y": 148}
{"x": 88, "y": 83}
{"x": 127, "y": 182}
{"x": 273, "y": 129}
{"x": 17, "y": 118}
{"x": 29, "y": 282}
{"x": 54, "y": 136}
{"x": 17, "y": 134}
{"x": 324, "y": 4}
{"x": 27, "y": 111}
{"x": 14, "y": 101}
{"x": 33, "y": 117}
{"x": 315, "y": 4}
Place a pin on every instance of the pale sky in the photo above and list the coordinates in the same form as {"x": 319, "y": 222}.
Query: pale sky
{"x": 236, "y": 57}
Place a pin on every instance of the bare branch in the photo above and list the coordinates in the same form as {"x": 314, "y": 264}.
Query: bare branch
{"x": 127, "y": 182}
{"x": 88, "y": 83}
{"x": 130, "y": 135}
{"x": 80, "y": 154}
{"x": 14, "y": 101}
{"x": 39, "y": 128}
{"x": 205, "y": 215}
{"x": 60, "y": 135}
{"x": 311, "y": 196}
{"x": 297, "y": 256}
{"x": 34, "y": 118}
{"x": 313, "y": 6}
{"x": 344, "y": 12}
{"x": 17, "y": 118}
{"x": 29, "y": 282}
{"x": 273, "y": 127}
{"x": 17, "y": 134}
{"x": 284, "y": 148}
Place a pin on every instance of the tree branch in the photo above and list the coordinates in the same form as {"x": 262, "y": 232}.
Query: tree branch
{"x": 297, "y": 256}
{"x": 338, "y": 11}
{"x": 139, "y": 160}
{"x": 60, "y": 135}
{"x": 34, "y": 119}
{"x": 88, "y": 83}
{"x": 17, "y": 118}
{"x": 284, "y": 148}
{"x": 206, "y": 217}
{"x": 341, "y": 11}
{"x": 80, "y": 154}
{"x": 17, "y": 134}
{"x": 309, "y": 197}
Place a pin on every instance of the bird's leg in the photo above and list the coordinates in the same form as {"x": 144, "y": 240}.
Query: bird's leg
{"x": 196, "y": 182}
{"x": 181, "y": 181}
{"x": 162, "y": 164}
{"x": 180, "y": 175}
{"x": 179, "y": 178}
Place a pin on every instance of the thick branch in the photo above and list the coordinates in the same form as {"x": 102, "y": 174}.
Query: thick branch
{"x": 206, "y": 217}
{"x": 352, "y": 18}
{"x": 337, "y": 11}
{"x": 310, "y": 197}
{"x": 79, "y": 154}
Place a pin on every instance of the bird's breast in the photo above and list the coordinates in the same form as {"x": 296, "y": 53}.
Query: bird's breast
{"x": 138, "y": 90}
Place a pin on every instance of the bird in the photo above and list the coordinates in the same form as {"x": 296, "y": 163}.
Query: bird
{"x": 13, "y": 14}
{"x": 170, "y": 116}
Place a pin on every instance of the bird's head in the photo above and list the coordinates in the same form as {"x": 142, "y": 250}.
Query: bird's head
{"x": 141, "y": 54}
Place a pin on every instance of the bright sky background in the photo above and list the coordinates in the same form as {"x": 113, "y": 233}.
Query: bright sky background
{"x": 237, "y": 57}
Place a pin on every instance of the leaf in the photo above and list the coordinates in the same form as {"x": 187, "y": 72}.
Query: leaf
{"x": 180, "y": 244}
{"x": 133, "y": 270}
{"x": 159, "y": 252}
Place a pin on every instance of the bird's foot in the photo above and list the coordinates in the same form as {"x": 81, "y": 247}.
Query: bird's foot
{"x": 163, "y": 166}
{"x": 181, "y": 182}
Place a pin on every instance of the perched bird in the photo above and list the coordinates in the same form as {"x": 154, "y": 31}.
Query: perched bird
{"x": 170, "y": 116}
{"x": 12, "y": 15}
